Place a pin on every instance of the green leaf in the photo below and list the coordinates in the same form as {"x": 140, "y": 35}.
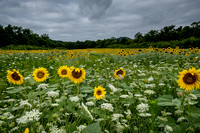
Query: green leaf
{"x": 176, "y": 102}
{"x": 16, "y": 90}
{"x": 179, "y": 129}
{"x": 86, "y": 89}
{"x": 125, "y": 86}
{"x": 165, "y": 100}
{"x": 195, "y": 112}
{"x": 92, "y": 128}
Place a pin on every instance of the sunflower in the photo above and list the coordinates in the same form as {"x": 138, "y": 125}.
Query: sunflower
{"x": 15, "y": 77}
{"x": 99, "y": 92}
{"x": 63, "y": 71}
{"x": 40, "y": 74}
{"x": 77, "y": 75}
{"x": 189, "y": 80}
{"x": 120, "y": 73}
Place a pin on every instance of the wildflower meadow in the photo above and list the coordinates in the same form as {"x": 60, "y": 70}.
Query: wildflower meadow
{"x": 100, "y": 91}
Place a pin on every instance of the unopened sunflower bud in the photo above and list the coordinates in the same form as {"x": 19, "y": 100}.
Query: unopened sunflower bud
{"x": 180, "y": 94}
{"x": 55, "y": 116}
{"x": 61, "y": 109}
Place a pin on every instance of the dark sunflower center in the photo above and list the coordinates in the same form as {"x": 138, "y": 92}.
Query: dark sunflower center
{"x": 119, "y": 72}
{"x": 64, "y": 72}
{"x": 99, "y": 92}
{"x": 15, "y": 76}
{"x": 40, "y": 74}
{"x": 189, "y": 78}
{"x": 76, "y": 74}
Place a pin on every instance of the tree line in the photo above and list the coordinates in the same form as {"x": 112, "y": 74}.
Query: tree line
{"x": 14, "y": 37}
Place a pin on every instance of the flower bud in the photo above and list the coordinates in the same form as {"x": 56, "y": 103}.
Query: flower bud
{"x": 180, "y": 94}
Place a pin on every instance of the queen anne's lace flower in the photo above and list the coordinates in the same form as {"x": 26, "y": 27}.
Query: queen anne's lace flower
{"x": 33, "y": 115}
{"x": 107, "y": 106}
{"x": 142, "y": 107}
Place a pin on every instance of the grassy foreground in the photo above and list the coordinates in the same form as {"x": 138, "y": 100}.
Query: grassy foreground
{"x": 146, "y": 99}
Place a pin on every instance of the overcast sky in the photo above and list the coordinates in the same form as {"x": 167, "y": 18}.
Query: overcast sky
{"x": 72, "y": 20}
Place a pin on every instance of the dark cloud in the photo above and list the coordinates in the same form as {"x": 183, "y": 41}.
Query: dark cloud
{"x": 94, "y": 9}
{"x": 72, "y": 20}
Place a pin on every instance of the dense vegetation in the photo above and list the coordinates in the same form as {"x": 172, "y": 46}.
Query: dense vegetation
{"x": 14, "y": 37}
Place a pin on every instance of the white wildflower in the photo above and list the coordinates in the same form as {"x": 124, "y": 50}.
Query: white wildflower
{"x": 42, "y": 86}
{"x": 150, "y": 85}
{"x": 178, "y": 112}
{"x": 142, "y": 107}
{"x": 74, "y": 99}
{"x": 107, "y": 106}
{"x": 168, "y": 129}
{"x": 54, "y": 104}
{"x": 144, "y": 114}
{"x": 89, "y": 103}
{"x": 25, "y": 103}
{"x": 112, "y": 88}
{"x": 116, "y": 117}
{"x": 161, "y": 84}
{"x": 53, "y": 93}
{"x": 144, "y": 99}
{"x": 138, "y": 95}
{"x": 124, "y": 96}
{"x": 149, "y": 92}
{"x": 150, "y": 79}
{"x": 119, "y": 127}
{"x": 81, "y": 127}
{"x": 181, "y": 119}
{"x": 29, "y": 116}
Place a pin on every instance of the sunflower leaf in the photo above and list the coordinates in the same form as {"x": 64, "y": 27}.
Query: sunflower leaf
{"x": 92, "y": 128}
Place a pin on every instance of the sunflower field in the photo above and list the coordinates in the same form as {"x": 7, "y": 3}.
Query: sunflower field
{"x": 100, "y": 91}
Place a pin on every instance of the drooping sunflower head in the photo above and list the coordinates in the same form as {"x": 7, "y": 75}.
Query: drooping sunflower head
{"x": 15, "y": 77}
{"x": 77, "y": 75}
{"x": 99, "y": 92}
{"x": 120, "y": 73}
{"x": 40, "y": 74}
{"x": 189, "y": 79}
{"x": 63, "y": 71}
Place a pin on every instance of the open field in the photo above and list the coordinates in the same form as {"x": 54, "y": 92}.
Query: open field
{"x": 100, "y": 90}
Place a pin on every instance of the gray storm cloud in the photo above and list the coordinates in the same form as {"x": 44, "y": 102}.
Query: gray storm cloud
{"x": 94, "y": 9}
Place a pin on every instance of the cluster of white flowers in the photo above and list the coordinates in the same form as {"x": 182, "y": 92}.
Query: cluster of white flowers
{"x": 107, "y": 106}
{"x": 74, "y": 99}
{"x": 25, "y": 103}
{"x": 42, "y": 86}
{"x": 53, "y": 93}
{"x": 137, "y": 95}
{"x": 55, "y": 129}
{"x": 29, "y": 116}
{"x": 8, "y": 115}
{"x": 150, "y": 79}
{"x": 144, "y": 114}
{"x": 142, "y": 107}
{"x": 168, "y": 129}
{"x": 80, "y": 128}
{"x": 115, "y": 117}
{"x": 89, "y": 103}
{"x": 149, "y": 92}
{"x": 150, "y": 85}
{"x": 124, "y": 96}
{"x": 112, "y": 88}
{"x": 181, "y": 119}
